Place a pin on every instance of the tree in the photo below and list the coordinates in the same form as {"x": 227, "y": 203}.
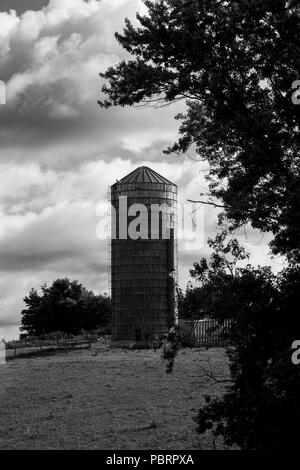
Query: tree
{"x": 234, "y": 62}
{"x": 64, "y": 306}
{"x": 260, "y": 408}
{"x": 200, "y": 302}
{"x": 190, "y": 303}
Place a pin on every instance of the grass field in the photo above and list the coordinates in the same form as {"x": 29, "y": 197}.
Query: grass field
{"x": 106, "y": 399}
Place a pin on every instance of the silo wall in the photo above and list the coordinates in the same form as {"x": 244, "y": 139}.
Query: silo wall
{"x": 143, "y": 271}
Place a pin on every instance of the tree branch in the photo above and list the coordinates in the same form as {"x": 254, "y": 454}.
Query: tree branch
{"x": 208, "y": 203}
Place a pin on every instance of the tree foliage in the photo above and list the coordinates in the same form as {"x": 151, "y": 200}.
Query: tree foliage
{"x": 260, "y": 409}
{"x": 202, "y": 302}
{"x": 234, "y": 62}
{"x": 190, "y": 303}
{"x": 64, "y": 306}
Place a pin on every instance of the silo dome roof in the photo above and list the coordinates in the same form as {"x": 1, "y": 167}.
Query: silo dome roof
{"x": 144, "y": 174}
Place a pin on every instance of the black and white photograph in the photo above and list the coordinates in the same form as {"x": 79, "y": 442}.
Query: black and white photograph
{"x": 150, "y": 228}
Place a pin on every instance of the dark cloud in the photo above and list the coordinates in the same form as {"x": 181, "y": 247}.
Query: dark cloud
{"x": 22, "y": 5}
{"x": 60, "y": 152}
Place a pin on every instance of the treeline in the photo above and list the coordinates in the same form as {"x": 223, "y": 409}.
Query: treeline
{"x": 66, "y": 306}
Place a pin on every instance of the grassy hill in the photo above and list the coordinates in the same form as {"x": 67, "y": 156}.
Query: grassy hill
{"x": 106, "y": 399}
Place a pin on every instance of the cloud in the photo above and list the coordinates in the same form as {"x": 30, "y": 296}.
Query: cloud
{"x": 49, "y": 222}
{"x": 60, "y": 151}
{"x": 50, "y": 60}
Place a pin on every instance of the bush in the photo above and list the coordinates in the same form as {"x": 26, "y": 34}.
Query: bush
{"x": 187, "y": 335}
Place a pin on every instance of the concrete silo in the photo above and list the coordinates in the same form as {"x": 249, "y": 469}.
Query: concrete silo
{"x": 143, "y": 261}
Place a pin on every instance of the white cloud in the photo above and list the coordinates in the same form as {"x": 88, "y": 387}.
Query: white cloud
{"x": 50, "y": 60}
{"x": 49, "y": 222}
{"x": 69, "y": 39}
{"x": 60, "y": 152}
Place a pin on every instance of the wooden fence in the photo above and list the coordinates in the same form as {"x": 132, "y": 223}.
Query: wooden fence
{"x": 12, "y": 352}
{"x": 209, "y": 332}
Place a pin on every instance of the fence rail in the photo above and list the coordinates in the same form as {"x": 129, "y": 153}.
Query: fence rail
{"x": 12, "y": 352}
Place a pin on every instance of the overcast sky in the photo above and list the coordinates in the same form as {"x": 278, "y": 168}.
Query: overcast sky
{"x": 60, "y": 152}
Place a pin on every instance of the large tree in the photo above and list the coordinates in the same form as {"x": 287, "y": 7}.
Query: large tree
{"x": 260, "y": 407}
{"x": 65, "y": 306}
{"x": 235, "y": 63}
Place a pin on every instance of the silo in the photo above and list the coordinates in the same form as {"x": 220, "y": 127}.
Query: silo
{"x": 143, "y": 262}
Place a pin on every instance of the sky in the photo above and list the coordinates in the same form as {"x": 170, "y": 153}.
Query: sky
{"x": 60, "y": 152}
